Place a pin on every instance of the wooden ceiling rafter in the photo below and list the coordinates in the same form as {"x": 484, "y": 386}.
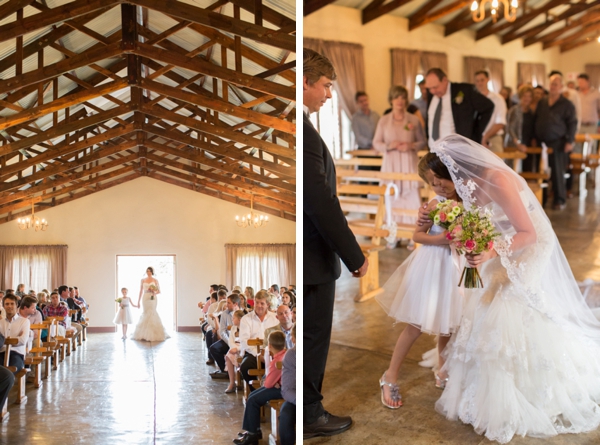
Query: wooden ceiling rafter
{"x": 377, "y": 8}
{"x": 89, "y": 145}
{"x": 423, "y": 19}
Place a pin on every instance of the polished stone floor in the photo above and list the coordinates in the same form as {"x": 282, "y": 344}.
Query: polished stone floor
{"x": 363, "y": 340}
{"x": 117, "y": 392}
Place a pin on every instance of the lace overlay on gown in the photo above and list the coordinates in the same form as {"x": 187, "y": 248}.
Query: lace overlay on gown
{"x": 149, "y": 326}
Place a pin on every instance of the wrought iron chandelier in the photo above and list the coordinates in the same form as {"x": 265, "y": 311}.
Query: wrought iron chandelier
{"x": 509, "y": 8}
{"x": 251, "y": 219}
{"x": 32, "y": 221}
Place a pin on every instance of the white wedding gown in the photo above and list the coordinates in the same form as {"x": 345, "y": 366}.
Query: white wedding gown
{"x": 149, "y": 327}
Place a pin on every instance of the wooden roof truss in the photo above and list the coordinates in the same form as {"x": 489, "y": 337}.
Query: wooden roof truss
{"x": 97, "y": 93}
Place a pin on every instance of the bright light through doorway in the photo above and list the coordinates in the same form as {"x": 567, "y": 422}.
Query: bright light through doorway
{"x": 130, "y": 271}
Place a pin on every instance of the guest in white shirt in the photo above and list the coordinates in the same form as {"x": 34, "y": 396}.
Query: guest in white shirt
{"x": 253, "y": 326}
{"x": 493, "y": 135}
{"x": 14, "y": 326}
{"x": 590, "y": 108}
{"x": 28, "y": 310}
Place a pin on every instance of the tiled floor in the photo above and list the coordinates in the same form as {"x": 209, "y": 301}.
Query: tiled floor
{"x": 363, "y": 340}
{"x": 117, "y": 392}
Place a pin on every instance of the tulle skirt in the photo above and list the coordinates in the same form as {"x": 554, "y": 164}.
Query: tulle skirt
{"x": 424, "y": 291}
{"x": 149, "y": 327}
{"x": 513, "y": 371}
{"x": 123, "y": 316}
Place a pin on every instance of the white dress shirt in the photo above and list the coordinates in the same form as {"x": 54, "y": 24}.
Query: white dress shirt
{"x": 499, "y": 115}
{"x": 446, "y": 119}
{"x": 252, "y": 327}
{"x": 17, "y": 327}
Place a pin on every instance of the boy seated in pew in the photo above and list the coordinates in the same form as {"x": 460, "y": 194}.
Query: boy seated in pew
{"x": 14, "y": 325}
{"x": 55, "y": 309}
{"x": 270, "y": 389}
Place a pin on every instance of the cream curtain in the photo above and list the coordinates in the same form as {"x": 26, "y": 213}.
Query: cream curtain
{"x": 406, "y": 64}
{"x": 348, "y": 61}
{"x": 431, "y": 59}
{"x": 594, "y": 72}
{"x": 533, "y": 73}
{"x": 38, "y": 267}
{"x": 260, "y": 265}
{"x": 496, "y": 69}
{"x": 471, "y": 66}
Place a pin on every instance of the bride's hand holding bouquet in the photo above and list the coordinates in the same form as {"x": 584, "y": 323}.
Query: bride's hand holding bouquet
{"x": 473, "y": 235}
{"x": 153, "y": 289}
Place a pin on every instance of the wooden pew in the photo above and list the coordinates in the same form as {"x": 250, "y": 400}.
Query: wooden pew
{"x": 351, "y": 189}
{"x": 35, "y": 359}
{"x": 51, "y": 344}
{"x": 19, "y": 376}
{"x": 258, "y": 372}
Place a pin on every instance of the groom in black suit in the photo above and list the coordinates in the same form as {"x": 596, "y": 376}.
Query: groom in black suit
{"x": 455, "y": 108}
{"x": 326, "y": 238}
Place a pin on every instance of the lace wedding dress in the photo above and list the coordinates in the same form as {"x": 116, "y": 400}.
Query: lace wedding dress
{"x": 526, "y": 358}
{"x": 149, "y": 326}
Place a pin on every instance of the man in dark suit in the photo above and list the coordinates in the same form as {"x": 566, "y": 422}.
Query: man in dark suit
{"x": 455, "y": 108}
{"x": 326, "y": 238}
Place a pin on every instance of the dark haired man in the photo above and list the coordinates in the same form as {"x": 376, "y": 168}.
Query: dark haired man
{"x": 28, "y": 309}
{"x": 67, "y": 297}
{"x": 326, "y": 238}
{"x": 219, "y": 348}
{"x": 455, "y": 108}
{"x": 14, "y": 325}
{"x": 364, "y": 122}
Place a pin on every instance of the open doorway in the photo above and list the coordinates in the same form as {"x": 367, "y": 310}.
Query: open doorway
{"x": 130, "y": 271}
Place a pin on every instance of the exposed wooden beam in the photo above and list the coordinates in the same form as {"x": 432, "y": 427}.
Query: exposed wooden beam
{"x": 536, "y": 30}
{"x": 219, "y": 105}
{"x": 201, "y": 66}
{"x": 461, "y": 21}
{"x": 65, "y": 101}
{"x": 219, "y": 21}
{"x": 590, "y": 35}
{"x": 584, "y": 31}
{"x": 421, "y": 20}
{"x": 12, "y": 6}
{"x": 58, "y": 68}
{"x": 370, "y": 14}
{"x": 55, "y": 15}
{"x": 591, "y": 16}
{"x": 311, "y": 6}
{"x": 231, "y": 135}
{"x": 64, "y": 129}
{"x": 525, "y": 18}
{"x": 269, "y": 14}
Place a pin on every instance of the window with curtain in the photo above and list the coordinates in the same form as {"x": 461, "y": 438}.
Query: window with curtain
{"x": 593, "y": 70}
{"x": 533, "y": 73}
{"x": 334, "y": 126}
{"x": 260, "y": 265}
{"x": 38, "y": 267}
{"x": 495, "y": 68}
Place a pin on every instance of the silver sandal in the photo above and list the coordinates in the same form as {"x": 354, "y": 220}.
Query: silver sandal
{"x": 394, "y": 393}
{"x": 439, "y": 382}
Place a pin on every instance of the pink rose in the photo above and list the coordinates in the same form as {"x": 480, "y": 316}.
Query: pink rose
{"x": 490, "y": 245}
{"x": 470, "y": 245}
{"x": 449, "y": 236}
{"x": 443, "y": 217}
{"x": 459, "y": 245}
{"x": 457, "y": 231}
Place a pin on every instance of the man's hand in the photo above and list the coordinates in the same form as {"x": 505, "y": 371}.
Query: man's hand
{"x": 362, "y": 271}
{"x": 569, "y": 147}
{"x": 423, "y": 217}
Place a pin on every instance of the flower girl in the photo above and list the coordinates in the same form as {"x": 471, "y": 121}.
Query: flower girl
{"x": 124, "y": 316}
{"x": 423, "y": 292}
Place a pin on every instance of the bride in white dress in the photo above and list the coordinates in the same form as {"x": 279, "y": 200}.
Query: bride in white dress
{"x": 149, "y": 326}
{"x": 526, "y": 358}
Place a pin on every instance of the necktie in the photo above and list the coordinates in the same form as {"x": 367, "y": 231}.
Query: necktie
{"x": 435, "y": 131}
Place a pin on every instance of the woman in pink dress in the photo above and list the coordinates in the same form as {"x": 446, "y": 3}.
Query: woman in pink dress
{"x": 399, "y": 136}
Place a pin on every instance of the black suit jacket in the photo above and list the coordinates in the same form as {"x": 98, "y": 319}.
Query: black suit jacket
{"x": 327, "y": 236}
{"x": 471, "y": 114}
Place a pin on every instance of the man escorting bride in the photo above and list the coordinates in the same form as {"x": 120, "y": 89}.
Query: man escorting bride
{"x": 526, "y": 357}
{"x": 149, "y": 327}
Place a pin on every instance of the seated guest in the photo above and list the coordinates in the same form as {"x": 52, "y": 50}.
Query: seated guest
{"x": 289, "y": 299}
{"x": 234, "y": 350}
{"x": 273, "y": 301}
{"x": 7, "y": 380}
{"x": 80, "y": 300}
{"x": 17, "y": 327}
{"x": 249, "y": 293}
{"x": 294, "y": 315}
{"x": 2, "y": 315}
{"x": 271, "y": 389}
{"x": 212, "y": 299}
{"x": 254, "y": 325}
{"x": 287, "y": 414}
{"x": 274, "y": 289}
{"x": 20, "y": 292}
{"x": 237, "y": 290}
{"x": 243, "y": 305}
{"x": 56, "y": 309}
{"x": 284, "y": 316}
{"x": 28, "y": 310}
{"x": 214, "y": 311}
{"x": 220, "y": 347}
{"x": 65, "y": 296}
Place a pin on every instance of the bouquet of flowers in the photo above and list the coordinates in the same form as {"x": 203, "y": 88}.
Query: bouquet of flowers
{"x": 446, "y": 212}
{"x": 118, "y": 300}
{"x": 472, "y": 232}
{"x": 152, "y": 288}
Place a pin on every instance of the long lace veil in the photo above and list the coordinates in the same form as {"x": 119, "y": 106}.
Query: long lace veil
{"x": 538, "y": 271}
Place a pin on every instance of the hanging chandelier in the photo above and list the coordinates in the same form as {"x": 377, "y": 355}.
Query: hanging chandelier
{"x": 509, "y": 8}
{"x": 252, "y": 219}
{"x": 32, "y": 221}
